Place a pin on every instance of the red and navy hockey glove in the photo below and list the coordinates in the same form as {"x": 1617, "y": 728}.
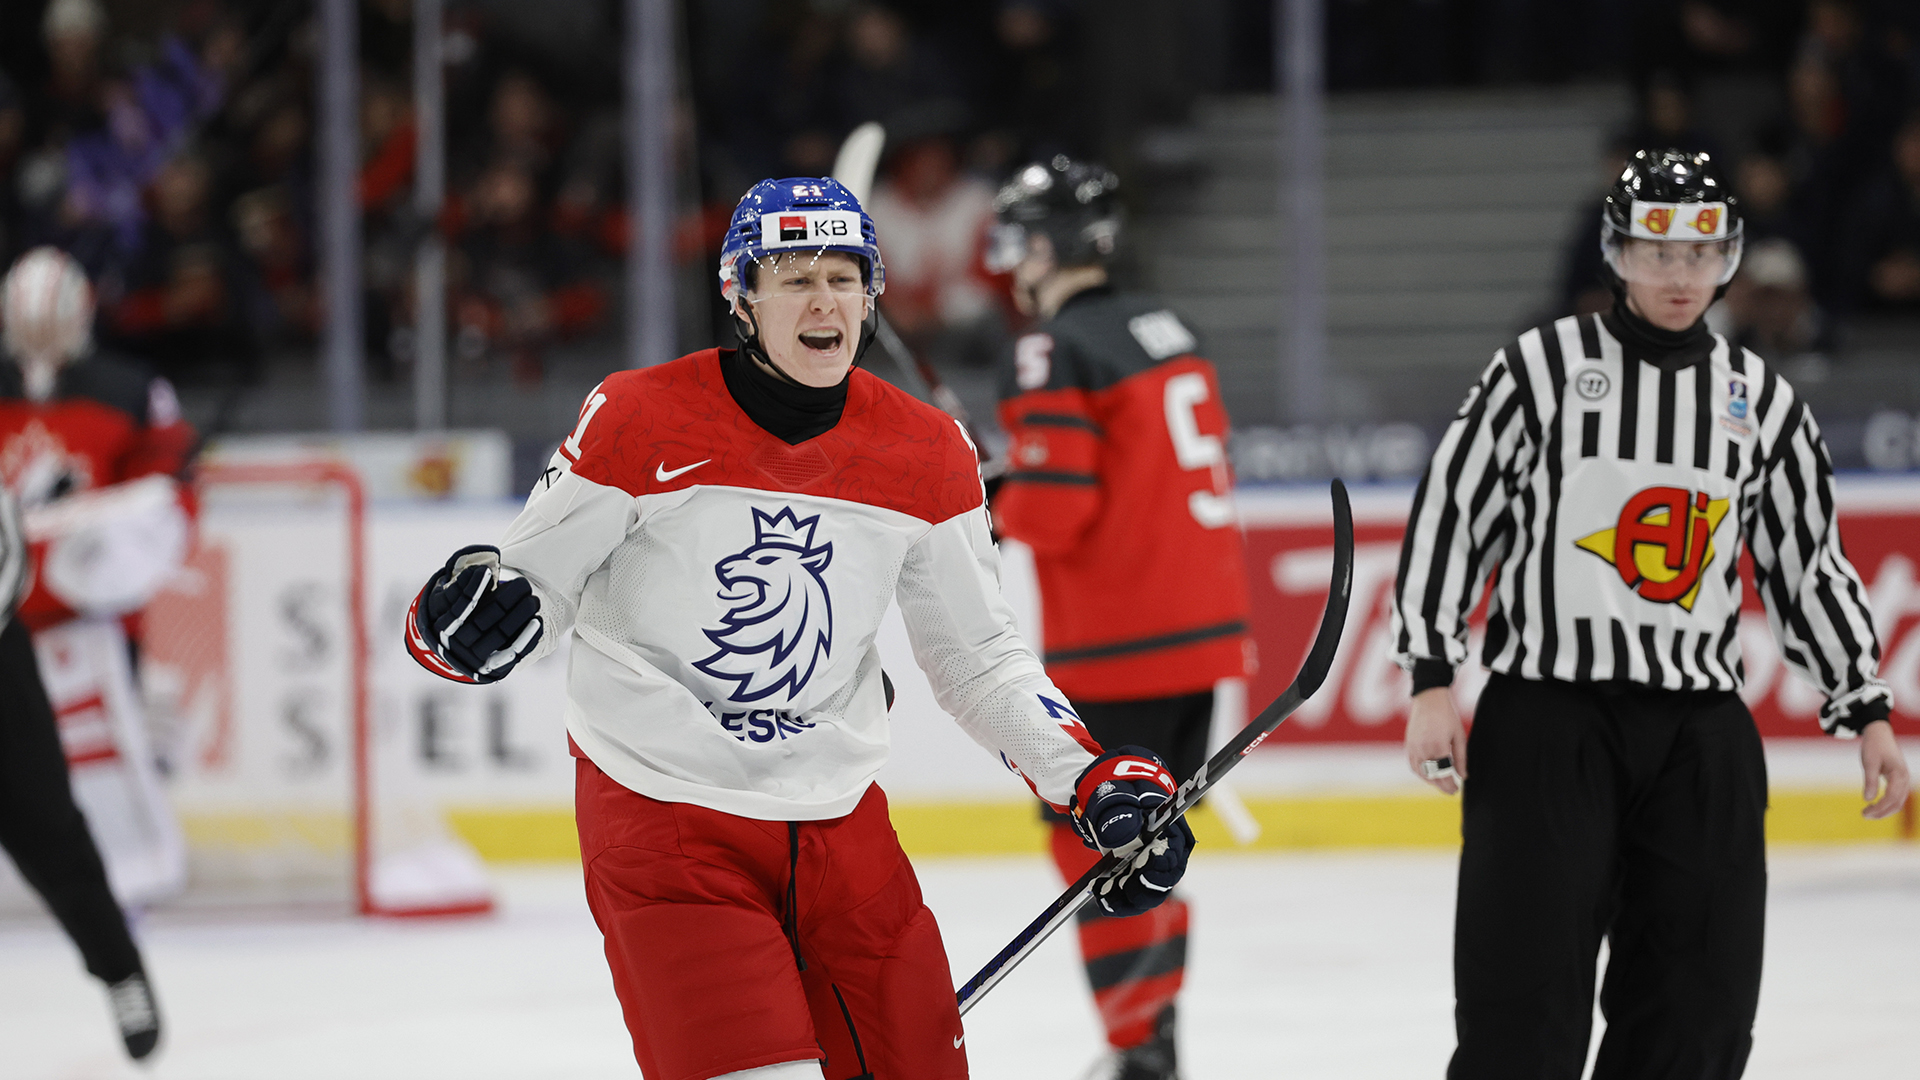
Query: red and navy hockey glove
{"x": 471, "y": 623}
{"x": 1111, "y": 802}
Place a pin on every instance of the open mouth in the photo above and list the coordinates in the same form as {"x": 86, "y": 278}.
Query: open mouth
{"x": 824, "y": 341}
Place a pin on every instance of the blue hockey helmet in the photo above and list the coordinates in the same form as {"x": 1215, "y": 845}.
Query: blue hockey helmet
{"x": 799, "y": 214}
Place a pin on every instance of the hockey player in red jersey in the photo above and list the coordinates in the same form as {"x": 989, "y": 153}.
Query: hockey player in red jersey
{"x": 720, "y": 536}
{"x": 1118, "y": 479}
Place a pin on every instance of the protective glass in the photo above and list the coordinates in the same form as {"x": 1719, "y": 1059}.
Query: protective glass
{"x": 1673, "y": 263}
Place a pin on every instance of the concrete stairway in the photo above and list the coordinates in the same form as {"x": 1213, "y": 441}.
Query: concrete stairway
{"x": 1448, "y": 218}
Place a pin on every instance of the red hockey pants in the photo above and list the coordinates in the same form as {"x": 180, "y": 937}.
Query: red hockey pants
{"x": 737, "y": 943}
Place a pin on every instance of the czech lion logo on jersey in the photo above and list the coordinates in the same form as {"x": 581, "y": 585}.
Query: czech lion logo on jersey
{"x": 1662, "y": 543}
{"x": 780, "y": 623}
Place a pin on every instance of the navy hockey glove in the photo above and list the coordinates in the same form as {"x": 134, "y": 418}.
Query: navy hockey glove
{"x": 1111, "y": 802}
{"x": 471, "y": 623}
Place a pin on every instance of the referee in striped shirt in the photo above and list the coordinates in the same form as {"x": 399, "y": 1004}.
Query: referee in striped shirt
{"x": 1612, "y": 468}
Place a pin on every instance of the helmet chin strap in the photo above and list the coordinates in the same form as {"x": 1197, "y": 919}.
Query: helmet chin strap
{"x": 747, "y": 332}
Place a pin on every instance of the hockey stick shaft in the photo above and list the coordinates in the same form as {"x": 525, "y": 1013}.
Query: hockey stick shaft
{"x": 1312, "y": 673}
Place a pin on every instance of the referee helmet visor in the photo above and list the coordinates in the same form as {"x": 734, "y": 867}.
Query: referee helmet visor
{"x": 1684, "y": 264}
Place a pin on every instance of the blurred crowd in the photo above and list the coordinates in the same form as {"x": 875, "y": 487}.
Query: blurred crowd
{"x": 965, "y": 92}
{"x": 1811, "y": 108}
{"x": 168, "y": 144}
{"x": 169, "y": 147}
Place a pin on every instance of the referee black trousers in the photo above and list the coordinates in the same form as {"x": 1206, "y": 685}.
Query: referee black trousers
{"x": 42, "y": 829}
{"x": 1620, "y": 812}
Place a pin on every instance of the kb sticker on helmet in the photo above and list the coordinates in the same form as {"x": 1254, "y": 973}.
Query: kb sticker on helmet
{"x": 810, "y": 228}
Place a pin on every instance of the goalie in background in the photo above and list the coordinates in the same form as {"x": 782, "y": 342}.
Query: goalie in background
{"x": 43, "y": 830}
{"x": 90, "y": 446}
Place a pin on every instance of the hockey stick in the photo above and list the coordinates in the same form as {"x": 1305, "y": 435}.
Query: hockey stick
{"x": 1312, "y": 673}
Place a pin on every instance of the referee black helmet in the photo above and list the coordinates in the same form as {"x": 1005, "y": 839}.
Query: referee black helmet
{"x": 1671, "y": 196}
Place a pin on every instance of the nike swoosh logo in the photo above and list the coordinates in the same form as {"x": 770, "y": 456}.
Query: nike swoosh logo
{"x": 663, "y": 474}
{"x": 958, "y": 1041}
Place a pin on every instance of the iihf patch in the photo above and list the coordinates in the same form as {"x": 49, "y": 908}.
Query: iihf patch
{"x": 1737, "y": 399}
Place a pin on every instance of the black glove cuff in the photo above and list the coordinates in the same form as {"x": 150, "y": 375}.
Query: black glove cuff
{"x": 1428, "y": 674}
{"x": 1856, "y": 719}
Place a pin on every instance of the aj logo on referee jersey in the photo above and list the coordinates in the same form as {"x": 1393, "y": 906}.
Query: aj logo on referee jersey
{"x": 779, "y": 623}
{"x": 1662, "y": 543}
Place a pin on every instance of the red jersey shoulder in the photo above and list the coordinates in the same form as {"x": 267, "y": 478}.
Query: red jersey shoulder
{"x": 906, "y": 454}
{"x": 676, "y": 426}
{"x": 635, "y": 417}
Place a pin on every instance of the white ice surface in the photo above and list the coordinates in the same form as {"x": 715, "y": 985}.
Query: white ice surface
{"x": 1303, "y": 965}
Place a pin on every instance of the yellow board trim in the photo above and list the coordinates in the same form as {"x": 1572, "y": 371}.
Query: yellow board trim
{"x": 931, "y": 829}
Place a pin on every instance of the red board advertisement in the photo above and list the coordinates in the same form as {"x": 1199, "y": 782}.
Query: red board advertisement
{"x": 1289, "y": 551}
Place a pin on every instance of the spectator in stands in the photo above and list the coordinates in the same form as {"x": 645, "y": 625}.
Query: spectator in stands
{"x": 282, "y": 305}
{"x": 1666, "y": 117}
{"x": 1765, "y": 191}
{"x": 388, "y": 138}
{"x": 74, "y": 31}
{"x": 1031, "y": 98}
{"x": 522, "y": 126}
{"x": 932, "y": 217}
{"x": 1883, "y": 233}
{"x": 13, "y": 130}
{"x": 887, "y": 70}
{"x": 1768, "y": 307}
{"x": 519, "y": 286}
{"x": 182, "y": 308}
{"x": 806, "y": 108}
{"x": 1583, "y": 291}
{"x": 1843, "y": 92}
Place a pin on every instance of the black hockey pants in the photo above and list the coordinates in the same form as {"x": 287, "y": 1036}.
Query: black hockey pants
{"x": 40, "y": 826}
{"x": 1621, "y": 811}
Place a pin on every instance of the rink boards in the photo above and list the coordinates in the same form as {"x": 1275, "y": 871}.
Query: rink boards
{"x": 496, "y": 757}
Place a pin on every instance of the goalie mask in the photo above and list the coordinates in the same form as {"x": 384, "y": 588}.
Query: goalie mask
{"x": 48, "y": 313}
{"x": 1670, "y": 220}
{"x": 798, "y": 218}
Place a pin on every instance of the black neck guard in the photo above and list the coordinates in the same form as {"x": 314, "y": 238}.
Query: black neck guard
{"x": 788, "y": 410}
{"x": 1643, "y": 340}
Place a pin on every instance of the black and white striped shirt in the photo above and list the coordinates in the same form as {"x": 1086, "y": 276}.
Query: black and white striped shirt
{"x": 1614, "y": 495}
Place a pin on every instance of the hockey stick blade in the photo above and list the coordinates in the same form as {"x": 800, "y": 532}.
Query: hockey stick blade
{"x": 1313, "y": 672}
{"x": 859, "y": 158}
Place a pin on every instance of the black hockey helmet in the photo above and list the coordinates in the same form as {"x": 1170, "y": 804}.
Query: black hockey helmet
{"x": 1671, "y": 197}
{"x": 1073, "y": 203}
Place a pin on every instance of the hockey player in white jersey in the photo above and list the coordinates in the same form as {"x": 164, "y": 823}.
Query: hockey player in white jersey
{"x": 721, "y": 535}
{"x": 1613, "y": 467}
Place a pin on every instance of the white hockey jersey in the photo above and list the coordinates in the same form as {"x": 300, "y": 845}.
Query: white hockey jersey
{"x": 724, "y": 591}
